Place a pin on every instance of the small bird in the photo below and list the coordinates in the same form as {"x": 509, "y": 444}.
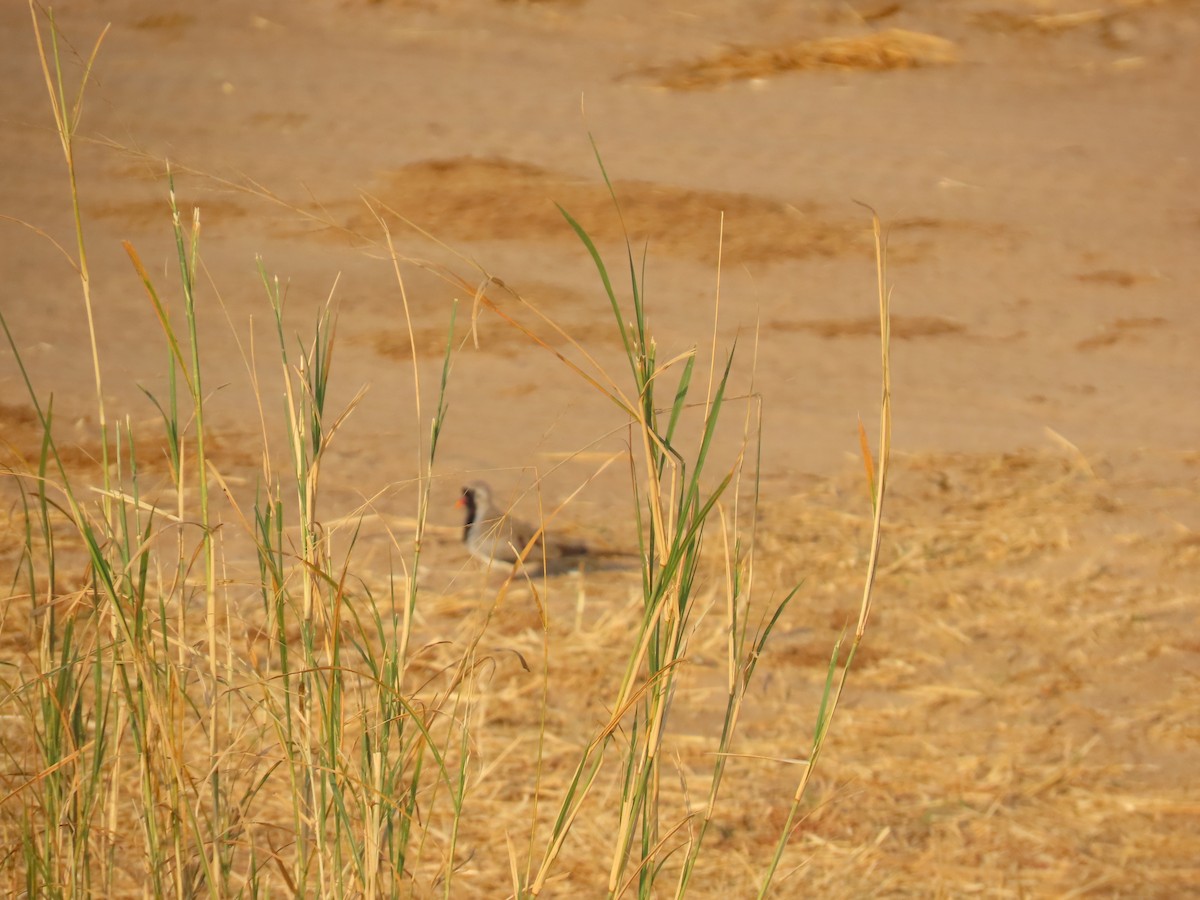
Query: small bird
{"x": 492, "y": 536}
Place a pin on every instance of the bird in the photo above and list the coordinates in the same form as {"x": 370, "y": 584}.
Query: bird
{"x": 492, "y": 536}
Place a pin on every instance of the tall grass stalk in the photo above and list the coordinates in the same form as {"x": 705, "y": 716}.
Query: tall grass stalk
{"x": 839, "y": 669}
{"x": 66, "y": 123}
{"x": 675, "y": 497}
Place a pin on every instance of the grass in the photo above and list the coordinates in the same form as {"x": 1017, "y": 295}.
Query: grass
{"x": 182, "y": 727}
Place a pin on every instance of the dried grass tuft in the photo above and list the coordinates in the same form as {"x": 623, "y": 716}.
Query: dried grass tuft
{"x": 895, "y": 48}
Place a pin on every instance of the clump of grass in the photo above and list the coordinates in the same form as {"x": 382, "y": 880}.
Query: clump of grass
{"x": 138, "y": 709}
{"x": 676, "y": 498}
{"x": 297, "y": 741}
{"x": 894, "y": 48}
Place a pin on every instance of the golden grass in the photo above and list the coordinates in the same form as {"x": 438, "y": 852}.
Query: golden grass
{"x": 894, "y": 48}
{"x": 1021, "y": 722}
{"x": 1053, "y": 23}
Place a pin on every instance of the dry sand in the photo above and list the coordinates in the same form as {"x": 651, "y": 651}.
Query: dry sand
{"x": 1024, "y": 722}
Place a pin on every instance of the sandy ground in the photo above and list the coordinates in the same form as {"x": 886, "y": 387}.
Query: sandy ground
{"x": 1038, "y": 173}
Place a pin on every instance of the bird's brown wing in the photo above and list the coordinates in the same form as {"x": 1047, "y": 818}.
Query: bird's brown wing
{"x": 521, "y": 533}
{"x": 512, "y": 537}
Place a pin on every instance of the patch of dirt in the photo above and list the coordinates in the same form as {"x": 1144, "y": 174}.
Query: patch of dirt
{"x": 1122, "y": 330}
{"x": 472, "y": 199}
{"x": 903, "y": 328}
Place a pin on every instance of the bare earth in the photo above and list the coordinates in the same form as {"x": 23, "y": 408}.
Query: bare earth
{"x": 1024, "y": 721}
